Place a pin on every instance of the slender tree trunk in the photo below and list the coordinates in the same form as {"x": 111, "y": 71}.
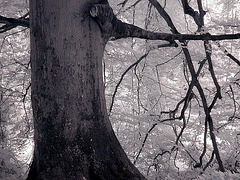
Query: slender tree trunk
{"x": 1, "y": 104}
{"x": 73, "y": 135}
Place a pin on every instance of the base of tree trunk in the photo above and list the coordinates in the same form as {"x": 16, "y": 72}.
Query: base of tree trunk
{"x": 112, "y": 165}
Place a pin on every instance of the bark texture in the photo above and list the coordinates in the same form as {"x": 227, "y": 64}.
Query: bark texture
{"x": 73, "y": 135}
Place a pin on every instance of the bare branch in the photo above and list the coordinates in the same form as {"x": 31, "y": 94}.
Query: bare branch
{"x": 164, "y": 14}
{"x": 204, "y": 146}
{"x": 144, "y": 141}
{"x": 209, "y": 162}
{"x": 207, "y": 110}
{"x": 113, "y": 27}
{"x": 189, "y": 10}
{"x": 16, "y": 22}
{"x": 11, "y": 23}
{"x": 125, "y": 72}
{"x": 123, "y": 3}
{"x": 228, "y": 53}
{"x": 161, "y": 154}
{"x": 208, "y": 50}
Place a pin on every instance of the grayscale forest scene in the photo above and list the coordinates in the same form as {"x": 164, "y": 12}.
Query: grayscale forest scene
{"x": 119, "y": 89}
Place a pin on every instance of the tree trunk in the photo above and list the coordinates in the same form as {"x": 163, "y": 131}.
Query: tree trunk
{"x": 72, "y": 133}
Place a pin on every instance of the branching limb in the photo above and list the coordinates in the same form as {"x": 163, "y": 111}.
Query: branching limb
{"x": 211, "y": 128}
{"x": 113, "y": 27}
{"x": 185, "y": 100}
{"x": 24, "y": 107}
{"x": 209, "y": 162}
{"x": 161, "y": 154}
{"x": 148, "y": 133}
{"x": 11, "y": 23}
{"x": 174, "y": 160}
{"x": 234, "y": 103}
{"x": 165, "y": 15}
{"x": 143, "y": 143}
{"x": 191, "y": 68}
{"x": 155, "y": 163}
{"x": 123, "y": 3}
{"x": 189, "y": 10}
{"x": 207, "y": 47}
{"x": 228, "y": 53}
{"x": 199, "y": 21}
{"x": 207, "y": 110}
{"x": 175, "y": 131}
{"x": 208, "y": 50}
{"x": 204, "y": 145}
{"x": 201, "y": 12}
{"x": 125, "y": 72}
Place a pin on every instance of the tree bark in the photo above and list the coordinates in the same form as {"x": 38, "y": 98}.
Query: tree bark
{"x": 73, "y": 135}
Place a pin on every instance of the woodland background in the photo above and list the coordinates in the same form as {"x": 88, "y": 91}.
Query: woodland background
{"x": 144, "y": 84}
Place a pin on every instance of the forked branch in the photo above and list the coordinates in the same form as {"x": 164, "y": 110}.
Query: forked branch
{"x": 10, "y": 23}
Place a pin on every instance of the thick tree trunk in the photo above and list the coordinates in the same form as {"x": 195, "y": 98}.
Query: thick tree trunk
{"x": 73, "y": 135}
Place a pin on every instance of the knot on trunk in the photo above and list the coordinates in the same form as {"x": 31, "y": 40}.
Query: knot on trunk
{"x": 104, "y": 16}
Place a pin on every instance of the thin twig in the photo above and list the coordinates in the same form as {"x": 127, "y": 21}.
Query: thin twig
{"x": 227, "y": 53}
{"x": 125, "y": 72}
{"x": 144, "y": 141}
{"x": 209, "y": 162}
